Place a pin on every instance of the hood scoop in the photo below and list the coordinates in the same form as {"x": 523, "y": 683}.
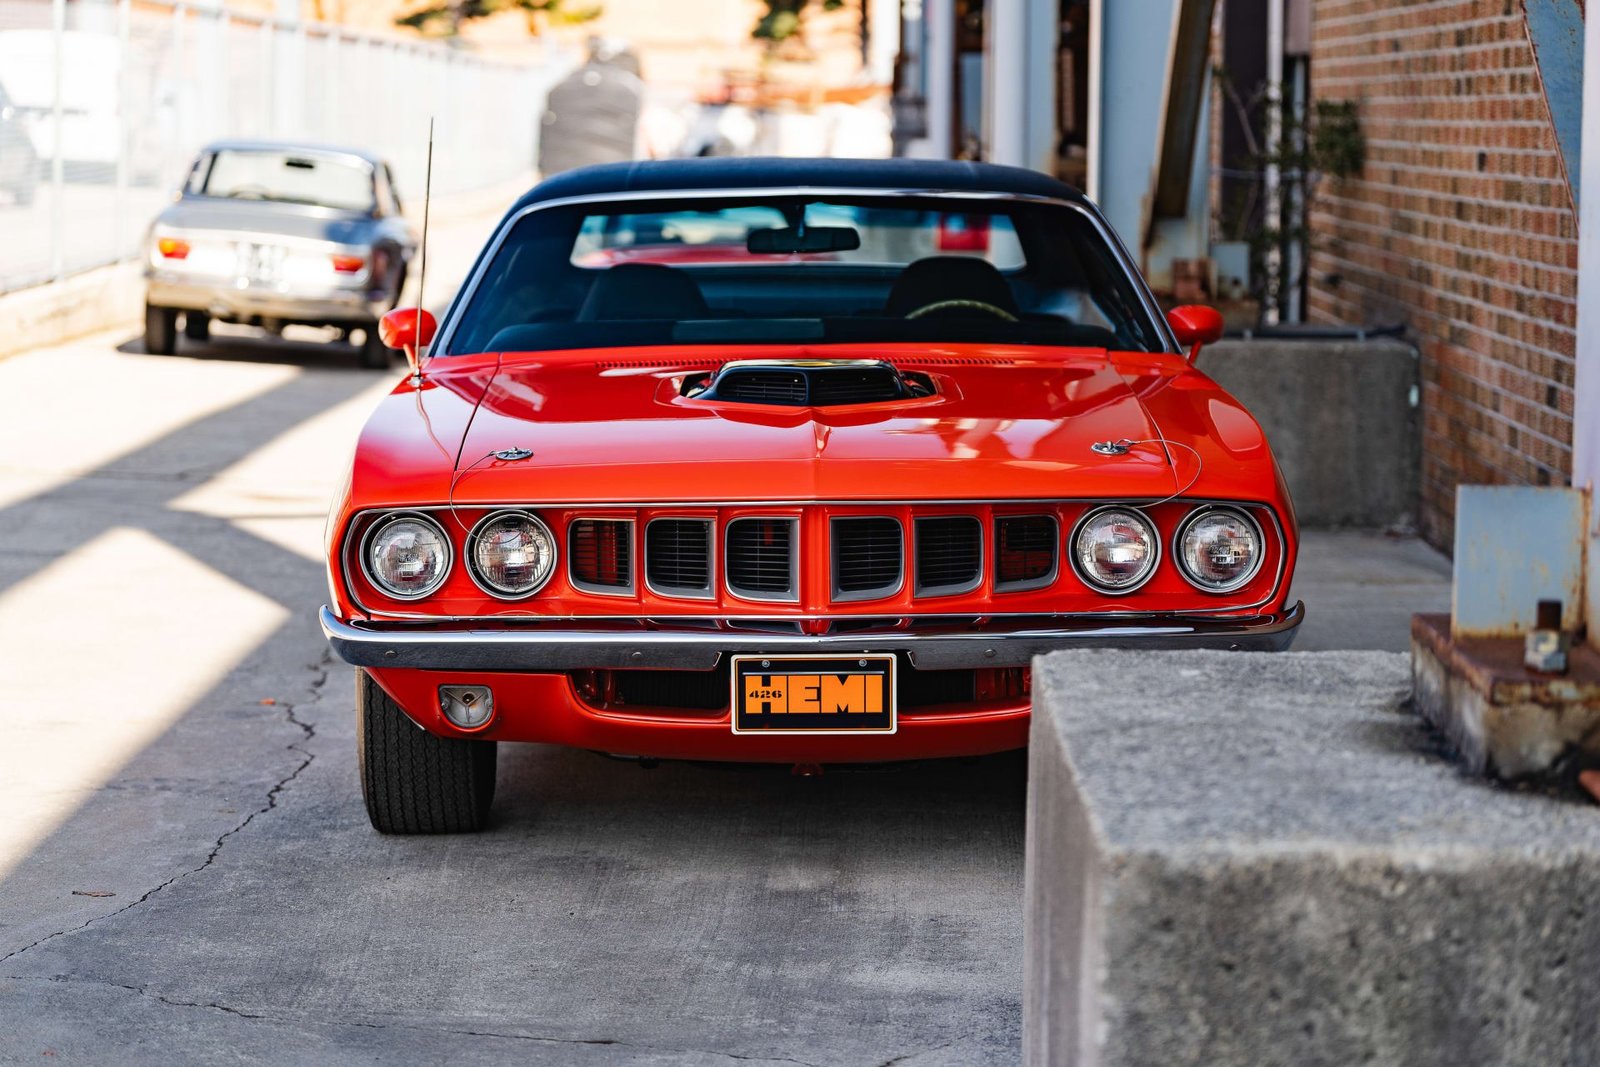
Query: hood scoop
{"x": 808, "y": 383}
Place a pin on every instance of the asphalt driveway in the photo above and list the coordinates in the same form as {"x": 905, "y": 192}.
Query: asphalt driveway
{"x": 187, "y": 873}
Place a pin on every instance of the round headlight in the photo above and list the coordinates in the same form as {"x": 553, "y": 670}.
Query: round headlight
{"x": 1219, "y": 549}
{"x": 511, "y": 554}
{"x": 1115, "y": 549}
{"x": 407, "y": 556}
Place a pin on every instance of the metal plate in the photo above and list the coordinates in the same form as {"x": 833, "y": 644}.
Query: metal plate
{"x": 811, "y": 694}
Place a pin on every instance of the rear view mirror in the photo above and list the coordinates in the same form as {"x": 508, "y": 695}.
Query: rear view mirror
{"x": 409, "y": 329}
{"x": 778, "y": 242}
{"x": 1195, "y": 325}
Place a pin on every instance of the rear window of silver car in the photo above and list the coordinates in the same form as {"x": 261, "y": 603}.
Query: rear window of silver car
{"x": 286, "y": 177}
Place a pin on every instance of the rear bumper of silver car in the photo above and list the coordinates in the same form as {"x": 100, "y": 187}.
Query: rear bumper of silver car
{"x": 224, "y": 300}
{"x": 928, "y": 644}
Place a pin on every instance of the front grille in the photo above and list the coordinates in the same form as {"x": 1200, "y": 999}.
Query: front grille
{"x": 763, "y": 387}
{"x": 600, "y": 555}
{"x": 761, "y": 558}
{"x": 868, "y": 555}
{"x": 690, "y": 691}
{"x": 677, "y": 556}
{"x": 949, "y": 555}
{"x": 1024, "y": 552}
{"x": 706, "y": 693}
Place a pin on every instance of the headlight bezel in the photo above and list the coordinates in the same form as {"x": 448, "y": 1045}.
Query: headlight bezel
{"x": 470, "y": 557}
{"x": 365, "y": 554}
{"x": 1204, "y": 511}
{"x": 1152, "y": 530}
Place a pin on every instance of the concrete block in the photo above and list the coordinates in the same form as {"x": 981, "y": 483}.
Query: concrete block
{"x": 1501, "y": 718}
{"x": 1341, "y": 417}
{"x": 1256, "y": 860}
{"x": 95, "y": 300}
{"x": 1515, "y": 546}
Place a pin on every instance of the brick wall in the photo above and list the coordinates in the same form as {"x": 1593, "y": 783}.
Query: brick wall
{"x": 1461, "y": 226}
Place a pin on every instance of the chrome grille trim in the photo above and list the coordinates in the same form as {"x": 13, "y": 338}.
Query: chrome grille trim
{"x": 876, "y": 592}
{"x": 731, "y": 553}
{"x": 1022, "y": 585}
{"x": 935, "y": 555}
{"x": 706, "y": 591}
{"x": 628, "y": 553}
{"x": 361, "y": 521}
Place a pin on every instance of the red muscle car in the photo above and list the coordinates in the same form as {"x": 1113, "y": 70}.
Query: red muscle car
{"x": 784, "y": 460}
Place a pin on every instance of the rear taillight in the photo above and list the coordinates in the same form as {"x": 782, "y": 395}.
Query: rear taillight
{"x": 348, "y": 264}
{"x": 172, "y": 248}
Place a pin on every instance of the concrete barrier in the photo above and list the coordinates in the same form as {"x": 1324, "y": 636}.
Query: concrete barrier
{"x": 1342, "y": 419}
{"x": 1251, "y": 860}
{"x": 85, "y": 303}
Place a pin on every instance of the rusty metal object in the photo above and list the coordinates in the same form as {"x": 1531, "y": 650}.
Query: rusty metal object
{"x": 1515, "y": 545}
{"x": 1590, "y": 780}
{"x": 1504, "y": 719}
{"x": 1545, "y": 647}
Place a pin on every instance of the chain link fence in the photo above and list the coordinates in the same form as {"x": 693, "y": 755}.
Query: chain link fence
{"x": 103, "y": 105}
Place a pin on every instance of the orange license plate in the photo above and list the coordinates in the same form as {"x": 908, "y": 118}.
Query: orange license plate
{"x": 813, "y": 694}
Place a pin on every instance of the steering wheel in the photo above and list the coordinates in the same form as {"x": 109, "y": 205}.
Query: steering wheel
{"x": 966, "y": 305}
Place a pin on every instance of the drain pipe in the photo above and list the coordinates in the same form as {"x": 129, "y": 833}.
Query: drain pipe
{"x": 1586, "y": 384}
{"x": 1271, "y": 184}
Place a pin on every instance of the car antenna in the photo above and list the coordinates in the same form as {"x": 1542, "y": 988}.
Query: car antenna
{"x": 422, "y": 268}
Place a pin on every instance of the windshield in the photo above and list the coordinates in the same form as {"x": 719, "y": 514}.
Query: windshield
{"x": 288, "y": 177}
{"x": 775, "y": 269}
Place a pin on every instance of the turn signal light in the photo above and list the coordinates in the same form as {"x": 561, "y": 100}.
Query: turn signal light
{"x": 172, "y": 248}
{"x": 348, "y": 264}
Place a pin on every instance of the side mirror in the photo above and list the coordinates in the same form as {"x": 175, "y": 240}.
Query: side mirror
{"x": 1195, "y": 325}
{"x": 411, "y": 329}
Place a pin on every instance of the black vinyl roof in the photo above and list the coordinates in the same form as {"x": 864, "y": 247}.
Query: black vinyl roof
{"x": 677, "y": 175}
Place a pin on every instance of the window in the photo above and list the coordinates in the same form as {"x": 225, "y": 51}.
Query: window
{"x": 775, "y": 269}
{"x": 288, "y": 177}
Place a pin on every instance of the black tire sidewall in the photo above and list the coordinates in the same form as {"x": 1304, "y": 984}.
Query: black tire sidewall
{"x": 160, "y": 330}
{"x": 414, "y": 782}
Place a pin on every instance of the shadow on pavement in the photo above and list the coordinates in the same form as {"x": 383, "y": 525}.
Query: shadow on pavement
{"x": 610, "y": 913}
{"x": 253, "y": 346}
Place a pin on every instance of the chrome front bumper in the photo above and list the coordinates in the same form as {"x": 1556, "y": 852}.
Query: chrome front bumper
{"x": 929, "y": 644}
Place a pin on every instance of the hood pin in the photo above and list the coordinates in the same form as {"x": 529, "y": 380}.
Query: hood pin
{"x": 513, "y": 454}
{"x": 1112, "y": 448}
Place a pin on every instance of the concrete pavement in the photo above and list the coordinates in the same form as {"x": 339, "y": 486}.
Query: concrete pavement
{"x": 186, "y": 870}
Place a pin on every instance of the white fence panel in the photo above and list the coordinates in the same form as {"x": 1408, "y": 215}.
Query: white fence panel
{"x": 103, "y": 105}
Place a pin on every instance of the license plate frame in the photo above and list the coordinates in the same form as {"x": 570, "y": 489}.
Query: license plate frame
{"x": 258, "y": 263}
{"x": 878, "y": 716}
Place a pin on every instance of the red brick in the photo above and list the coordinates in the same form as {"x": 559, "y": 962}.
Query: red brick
{"x": 1460, "y": 226}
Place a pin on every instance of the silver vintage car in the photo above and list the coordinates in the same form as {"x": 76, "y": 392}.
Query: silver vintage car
{"x": 269, "y": 234}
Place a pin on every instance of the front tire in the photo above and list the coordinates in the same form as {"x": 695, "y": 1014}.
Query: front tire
{"x": 374, "y": 353}
{"x": 160, "y": 330}
{"x": 414, "y": 782}
{"x": 197, "y": 325}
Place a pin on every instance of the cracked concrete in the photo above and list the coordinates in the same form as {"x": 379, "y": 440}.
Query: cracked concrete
{"x": 612, "y": 914}
{"x": 680, "y": 915}
{"x": 309, "y": 730}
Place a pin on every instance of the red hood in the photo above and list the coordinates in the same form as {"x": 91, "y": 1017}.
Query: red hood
{"x": 1007, "y": 423}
